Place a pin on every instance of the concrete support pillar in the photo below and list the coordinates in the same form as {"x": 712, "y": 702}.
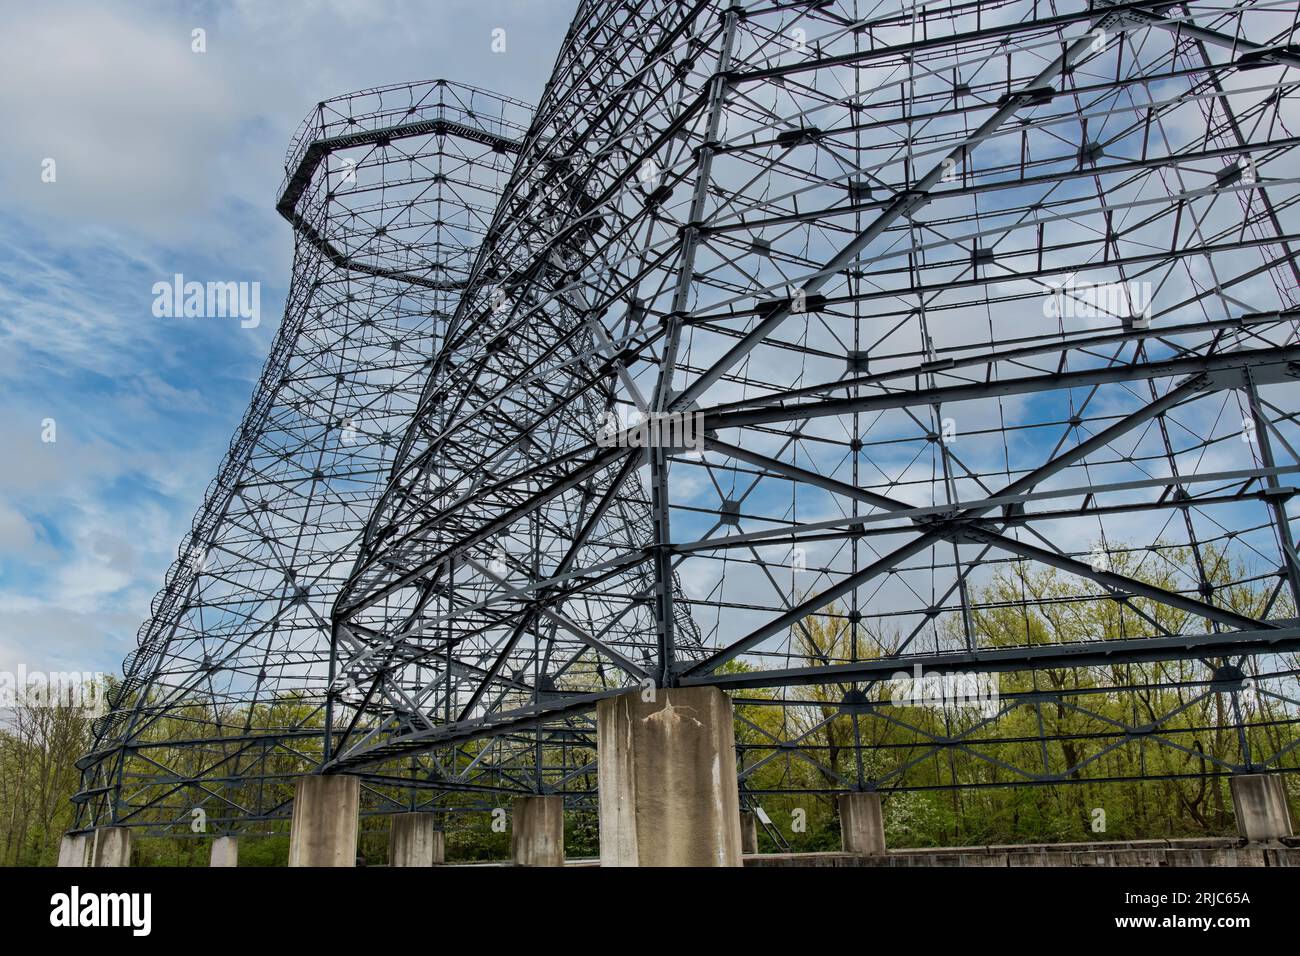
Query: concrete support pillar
{"x": 862, "y": 825}
{"x": 225, "y": 851}
{"x": 748, "y": 831}
{"x": 416, "y": 841}
{"x": 537, "y": 831}
{"x": 667, "y": 775}
{"x": 111, "y": 847}
{"x": 1260, "y": 802}
{"x": 324, "y": 829}
{"x": 74, "y": 849}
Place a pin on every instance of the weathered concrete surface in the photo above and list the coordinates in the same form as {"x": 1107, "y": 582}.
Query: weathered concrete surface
{"x": 748, "y": 831}
{"x": 1260, "y": 803}
{"x": 415, "y": 840}
{"x": 225, "y": 851}
{"x": 324, "y": 829}
{"x": 537, "y": 831}
{"x": 862, "y": 824}
{"x": 74, "y": 849}
{"x": 667, "y": 776}
{"x": 111, "y": 847}
{"x": 1203, "y": 852}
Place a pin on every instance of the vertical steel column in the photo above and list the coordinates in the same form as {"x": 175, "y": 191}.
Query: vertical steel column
{"x": 664, "y": 393}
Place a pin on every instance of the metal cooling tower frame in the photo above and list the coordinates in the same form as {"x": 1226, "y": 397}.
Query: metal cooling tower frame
{"x": 988, "y": 315}
{"x": 389, "y": 192}
{"x": 973, "y": 330}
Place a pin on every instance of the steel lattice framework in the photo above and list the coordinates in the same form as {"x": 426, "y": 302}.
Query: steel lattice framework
{"x": 389, "y": 192}
{"x": 987, "y": 315}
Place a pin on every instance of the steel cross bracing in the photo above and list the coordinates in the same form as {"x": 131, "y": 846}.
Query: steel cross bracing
{"x": 390, "y": 192}
{"x": 989, "y": 310}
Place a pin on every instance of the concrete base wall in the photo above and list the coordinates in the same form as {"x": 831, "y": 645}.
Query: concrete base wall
{"x": 74, "y": 849}
{"x": 1260, "y": 803}
{"x": 324, "y": 829}
{"x": 862, "y": 823}
{"x": 111, "y": 847}
{"x": 1204, "y": 852}
{"x": 415, "y": 840}
{"x": 225, "y": 851}
{"x": 667, "y": 776}
{"x": 537, "y": 831}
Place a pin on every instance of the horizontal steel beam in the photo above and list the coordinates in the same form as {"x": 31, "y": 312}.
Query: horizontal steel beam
{"x": 1284, "y": 638}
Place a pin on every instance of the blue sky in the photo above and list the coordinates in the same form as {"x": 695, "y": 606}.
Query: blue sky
{"x": 166, "y": 161}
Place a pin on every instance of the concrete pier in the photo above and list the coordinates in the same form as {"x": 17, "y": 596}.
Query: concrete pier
{"x": 537, "y": 831}
{"x": 1260, "y": 802}
{"x": 667, "y": 775}
{"x": 324, "y": 829}
{"x": 225, "y": 851}
{"x": 748, "y": 831}
{"x": 862, "y": 824}
{"x": 74, "y": 849}
{"x": 111, "y": 847}
{"x": 415, "y": 840}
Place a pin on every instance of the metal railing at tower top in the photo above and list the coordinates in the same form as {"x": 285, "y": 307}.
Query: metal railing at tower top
{"x": 474, "y": 111}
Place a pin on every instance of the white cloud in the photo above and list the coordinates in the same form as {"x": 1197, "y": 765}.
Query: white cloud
{"x": 132, "y": 118}
{"x": 16, "y": 532}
